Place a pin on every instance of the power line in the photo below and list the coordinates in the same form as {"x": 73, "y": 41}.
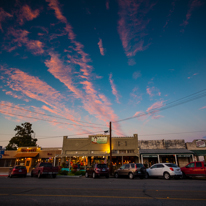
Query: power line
{"x": 180, "y": 101}
{"x": 72, "y": 135}
{"x": 48, "y": 114}
{"x": 47, "y": 120}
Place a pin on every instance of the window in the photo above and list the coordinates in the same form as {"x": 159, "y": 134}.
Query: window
{"x": 125, "y": 143}
{"x": 139, "y": 165}
{"x": 101, "y": 166}
{"x": 133, "y": 165}
{"x": 127, "y": 167}
{"x": 122, "y": 151}
{"x": 191, "y": 165}
{"x": 118, "y": 143}
{"x": 130, "y": 151}
{"x": 154, "y": 166}
{"x": 160, "y": 166}
{"x": 198, "y": 164}
{"x": 171, "y": 165}
{"x": 122, "y": 167}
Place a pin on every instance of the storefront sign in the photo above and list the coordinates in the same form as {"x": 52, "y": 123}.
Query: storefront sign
{"x": 99, "y": 140}
{"x": 149, "y": 155}
{"x": 200, "y": 143}
{"x": 183, "y": 155}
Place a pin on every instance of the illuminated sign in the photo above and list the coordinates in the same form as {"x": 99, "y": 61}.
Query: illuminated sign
{"x": 200, "y": 143}
{"x": 99, "y": 140}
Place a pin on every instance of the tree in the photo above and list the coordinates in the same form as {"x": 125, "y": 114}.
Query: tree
{"x": 23, "y": 137}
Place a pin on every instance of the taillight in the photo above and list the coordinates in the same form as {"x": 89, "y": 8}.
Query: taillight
{"x": 171, "y": 169}
{"x": 13, "y": 170}
{"x": 136, "y": 167}
{"x": 97, "y": 169}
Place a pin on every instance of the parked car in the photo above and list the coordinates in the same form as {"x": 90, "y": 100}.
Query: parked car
{"x": 44, "y": 168}
{"x": 131, "y": 170}
{"x": 194, "y": 169}
{"x": 166, "y": 170}
{"x": 18, "y": 171}
{"x": 97, "y": 170}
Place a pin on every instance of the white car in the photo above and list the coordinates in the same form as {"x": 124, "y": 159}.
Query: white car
{"x": 165, "y": 170}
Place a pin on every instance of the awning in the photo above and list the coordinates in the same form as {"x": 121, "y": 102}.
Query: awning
{"x": 26, "y": 154}
{"x": 164, "y": 151}
{"x": 199, "y": 152}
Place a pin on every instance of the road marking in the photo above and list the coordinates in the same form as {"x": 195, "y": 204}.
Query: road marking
{"x": 160, "y": 198}
{"x": 45, "y": 188}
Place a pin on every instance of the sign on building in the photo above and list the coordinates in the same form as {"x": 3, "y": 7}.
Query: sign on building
{"x": 200, "y": 143}
{"x": 99, "y": 140}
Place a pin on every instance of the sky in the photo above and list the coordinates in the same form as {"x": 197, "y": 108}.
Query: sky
{"x": 71, "y": 67}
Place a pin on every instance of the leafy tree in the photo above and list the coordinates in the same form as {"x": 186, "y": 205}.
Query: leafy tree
{"x": 23, "y": 137}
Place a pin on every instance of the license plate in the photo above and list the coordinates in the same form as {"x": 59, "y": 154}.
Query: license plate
{"x": 20, "y": 170}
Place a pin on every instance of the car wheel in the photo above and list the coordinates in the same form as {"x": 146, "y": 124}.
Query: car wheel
{"x": 86, "y": 175}
{"x": 146, "y": 175}
{"x": 93, "y": 175}
{"x": 39, "y": 174}
{"x": 166, "y": 175}
{"x": 116, "y": 175}
{"x": 131, "y": 176}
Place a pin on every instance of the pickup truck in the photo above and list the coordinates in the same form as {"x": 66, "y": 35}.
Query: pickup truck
{"x": 44, "y": 168}
{"x": 194, "y": 169}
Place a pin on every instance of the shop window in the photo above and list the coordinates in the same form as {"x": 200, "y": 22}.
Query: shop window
{"x": 130, "y": 151}
{"x": 122, "y": 151}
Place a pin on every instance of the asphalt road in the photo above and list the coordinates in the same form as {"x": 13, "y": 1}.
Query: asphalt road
{"x": 101, "y": 191}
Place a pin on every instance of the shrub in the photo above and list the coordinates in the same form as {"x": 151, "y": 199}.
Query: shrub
{"x": 80, "y": 173}
{"x": 63, "y": 172}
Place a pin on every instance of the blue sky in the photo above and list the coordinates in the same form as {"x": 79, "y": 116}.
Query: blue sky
{"x": 71, "y": 67}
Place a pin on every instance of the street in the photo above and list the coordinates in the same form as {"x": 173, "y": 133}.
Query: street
{"x": 101, "y": 191}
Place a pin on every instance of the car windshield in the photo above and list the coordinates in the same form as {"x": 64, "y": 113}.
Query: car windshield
{"x": 101, "y": 166}
{"x": 20, "y": 167}
{"x": 139, "y": 165}
{"x": 171, "y": 165}
{"x": 45, "y": 164}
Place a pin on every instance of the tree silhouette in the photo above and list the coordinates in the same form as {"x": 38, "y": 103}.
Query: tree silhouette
{"x": 23, "y": 137}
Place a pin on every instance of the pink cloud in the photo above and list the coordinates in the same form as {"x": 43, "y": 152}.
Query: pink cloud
{"x": 154, "y": 107}
{"x": 21, "y": 38}
{"x": 26, "y": 13}
{"x": 107, "y": 4}
{"x": 192, "y": 5}
{"x": 132, "y": 25}
{"x": 153, "y": 91}
{"x": 203, "y": 107}
{"x": 101, "y": 47}
{"x": 3, "y": 16}
{"x": 170, "y": 13}
{"x": 114, "y": 90}
{"x": 16, "y": 96}
{"x": 136, "y": 96}
{"x": 192, "y": 75}
{"x": 136, "y": 75}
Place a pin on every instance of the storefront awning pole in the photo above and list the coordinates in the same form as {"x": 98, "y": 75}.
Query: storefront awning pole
{"x": 69, "y": 163}
{"x": 176, "y": 160}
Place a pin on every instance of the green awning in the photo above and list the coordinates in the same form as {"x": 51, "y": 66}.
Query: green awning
{"x": 199, "y": 152}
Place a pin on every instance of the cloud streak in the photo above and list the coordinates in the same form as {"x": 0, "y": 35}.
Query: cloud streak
{"x": 101, "y": 49}
{"x": 132, "y": 26}
{"x": 114, "y": 90}
{"x": 3, "y": 16}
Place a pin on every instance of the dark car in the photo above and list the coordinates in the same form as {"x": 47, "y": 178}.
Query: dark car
{"x": 18, "y": 171}
{"x": 131, "y": 170}
{"x": 97, "y": 170}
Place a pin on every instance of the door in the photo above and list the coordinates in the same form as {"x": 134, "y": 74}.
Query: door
{"x": 121, "y": 170}
{"x": 199, "y": 169}
{"x": 28, "y": 164}
{"x": 152, "y": 170}
{"x": 126, "y": 169}
{"x": 190, "y": 169}
{"x": 159, "y": 170}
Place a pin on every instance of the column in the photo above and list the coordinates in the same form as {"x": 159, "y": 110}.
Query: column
{"x": 158, "y": 157}
{"x": 69, "y": 163}
{"x": 176, "y": 160}
{"x": 142, "y": 159}
{"x": 122, "y": 160}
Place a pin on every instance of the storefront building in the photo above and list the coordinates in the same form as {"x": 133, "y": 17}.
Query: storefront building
{"x": 163, "y": 151}
{"x": 96, "y": 149}
{"x": 198, "y": 146}
{"x": 29, "y": 157}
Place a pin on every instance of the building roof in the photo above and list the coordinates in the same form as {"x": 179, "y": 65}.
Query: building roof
{"x": 165, "y": 151}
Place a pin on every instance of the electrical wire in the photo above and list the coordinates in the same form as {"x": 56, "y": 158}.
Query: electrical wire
{"x": 180, "y": 101}
{"x": 48, "y": 114}
{"x": 47, "y": 120}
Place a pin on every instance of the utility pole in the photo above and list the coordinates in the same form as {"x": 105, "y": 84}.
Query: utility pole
{"x": 110, "y": 136}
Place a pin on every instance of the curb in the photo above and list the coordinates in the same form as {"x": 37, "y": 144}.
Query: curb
{"x": 67, "y": 176}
